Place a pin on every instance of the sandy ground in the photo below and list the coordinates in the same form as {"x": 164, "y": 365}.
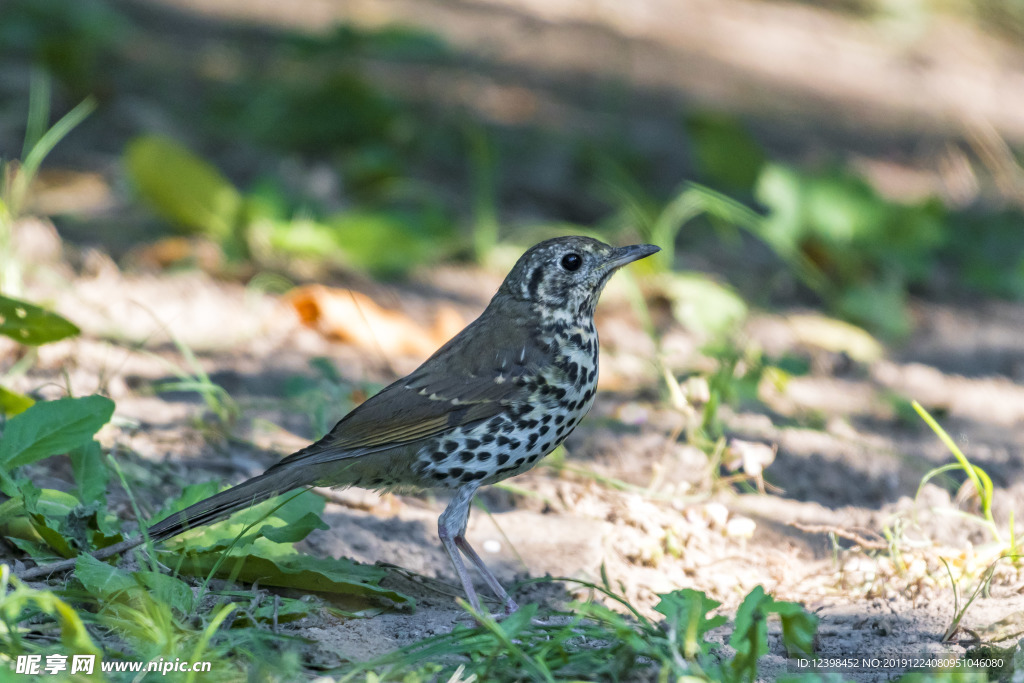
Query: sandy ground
{"x": 856, "y": 475}
{"x": 895, "y": 103}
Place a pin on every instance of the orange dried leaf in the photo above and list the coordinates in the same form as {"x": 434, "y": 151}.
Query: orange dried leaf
{"x": 354, "y": 318}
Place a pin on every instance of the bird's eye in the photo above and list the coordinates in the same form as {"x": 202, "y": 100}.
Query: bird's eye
{"x": 572, "y": 262}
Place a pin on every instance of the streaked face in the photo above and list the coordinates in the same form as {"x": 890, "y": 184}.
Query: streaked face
{"x": 568, "y": 273}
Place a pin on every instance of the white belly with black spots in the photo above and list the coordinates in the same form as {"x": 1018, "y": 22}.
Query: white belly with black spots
{"x": 503, "y": 446}
{"x": 514, "y": 441}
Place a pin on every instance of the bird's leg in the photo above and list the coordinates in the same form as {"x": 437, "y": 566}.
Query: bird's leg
{"x": 451, "y": 528}
{"x": 490, "y": 578}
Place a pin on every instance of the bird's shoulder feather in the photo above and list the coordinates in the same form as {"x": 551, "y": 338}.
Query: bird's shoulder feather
{"x": 475, "y": 376}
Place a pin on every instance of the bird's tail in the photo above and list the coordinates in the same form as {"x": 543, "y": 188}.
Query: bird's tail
{"x": 275, "y": 481}
{"x": 223, "y": 504}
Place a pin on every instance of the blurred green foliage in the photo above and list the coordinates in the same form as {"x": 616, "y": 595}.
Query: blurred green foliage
{"x": 703, "y": 306}
{"x": 322, "y": 115}
{"x": 184, "y": 189}
{"x": 192, "y": 195}
{"x": 387, "y": 42}
{"x": 1005, "y": 17}
{"x": 987, "y": 250}
{"x": 315, "y": 98}
{"x": 858, "y": 251}
{"x": 74, "y": 41}
{"x": 724, "y": 151}
{"x": 318, "y": 98}
{"x": 322, "y": 397}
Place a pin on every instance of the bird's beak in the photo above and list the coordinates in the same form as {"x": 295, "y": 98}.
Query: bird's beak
{"x": 623, "y": 255}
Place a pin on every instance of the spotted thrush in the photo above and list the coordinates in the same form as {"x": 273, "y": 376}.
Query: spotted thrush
{"x": 488, "y": 405}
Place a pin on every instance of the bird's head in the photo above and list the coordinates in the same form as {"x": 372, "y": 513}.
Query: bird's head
{"x": 568, "y": 273}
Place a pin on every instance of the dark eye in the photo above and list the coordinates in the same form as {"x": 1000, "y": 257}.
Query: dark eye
{"x": 572, "y": 262}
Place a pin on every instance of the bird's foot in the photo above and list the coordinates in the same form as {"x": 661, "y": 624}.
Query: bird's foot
{"x": 475, "y": 613}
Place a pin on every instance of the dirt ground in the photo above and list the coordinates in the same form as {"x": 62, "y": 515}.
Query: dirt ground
{"x": 857, "y": 476}
{"x": 846, "y": 462}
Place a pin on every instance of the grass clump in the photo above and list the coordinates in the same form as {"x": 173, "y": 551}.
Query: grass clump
{"x": 592, "y": 641}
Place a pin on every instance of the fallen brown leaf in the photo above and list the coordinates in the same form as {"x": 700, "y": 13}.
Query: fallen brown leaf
{"x": 354, "y": 318}
{"x": 56, "y": 191}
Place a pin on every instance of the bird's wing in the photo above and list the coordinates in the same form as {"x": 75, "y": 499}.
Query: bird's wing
{"x": 470, "y": 379}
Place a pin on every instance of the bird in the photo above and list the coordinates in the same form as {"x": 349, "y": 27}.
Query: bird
{"x": 488, "y": 405}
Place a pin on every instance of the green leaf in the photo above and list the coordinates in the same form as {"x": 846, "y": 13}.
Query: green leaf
{"x": 102, "y": 580}
{"x": 750, "y": 634}
{"x": 29, "y": 324}
{"x": 12, "y": 403}
{"x": 389, "y": 242}
{"x": 38, "y": 552}
{"x": 48, "y": 509}
{"x": 192, "y": 493}
{"x": 300, "y": 237}
{"x": 47, "y": 502}
{"x": 782, "y": 190}
{"x": 11, "y": 509}
{"x": 90, "y": 471}
{"x": 341, "y": 577}
{"x": 38, "y": 515}
{"x": 518, "y": 621}
{"x": 294, "y": 531}
{"x": 686, "y": 616}
{"x": 102, "y": 526}
{"x": 52, "y": 427}
{"x": 798, "y": 628}
{"x": 878, "y": 305}
{"x": 843, "y": 209}
{"x": 168, "y": 589}
{"x": 182, "y": 188}
{"x": 50, "y": 532}
{"x": 266, "y": 553}
{"x": 383, "y": 242}
{"x": 301, "y": 511}
{"x": 837, "y": 336}
{"x": 702, "y": 305}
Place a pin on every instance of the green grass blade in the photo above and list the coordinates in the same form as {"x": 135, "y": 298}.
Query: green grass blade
{"x": 38, "y": 110}
{"x": 34, "y": 159}
{"x": 208, "y": 632}
{"x": 979, "y": 478}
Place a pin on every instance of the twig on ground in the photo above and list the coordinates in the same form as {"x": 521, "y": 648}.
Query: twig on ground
{"x": 863, "y": 542}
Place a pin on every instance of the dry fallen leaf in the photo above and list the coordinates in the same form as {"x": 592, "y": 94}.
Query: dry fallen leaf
{"x": 354, "y": 318}
{"x": 57, "y": 191}
{"x": 835, "y": 335}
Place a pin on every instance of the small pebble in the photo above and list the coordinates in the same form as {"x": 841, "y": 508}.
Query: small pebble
{"x": 740, "y": 527}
